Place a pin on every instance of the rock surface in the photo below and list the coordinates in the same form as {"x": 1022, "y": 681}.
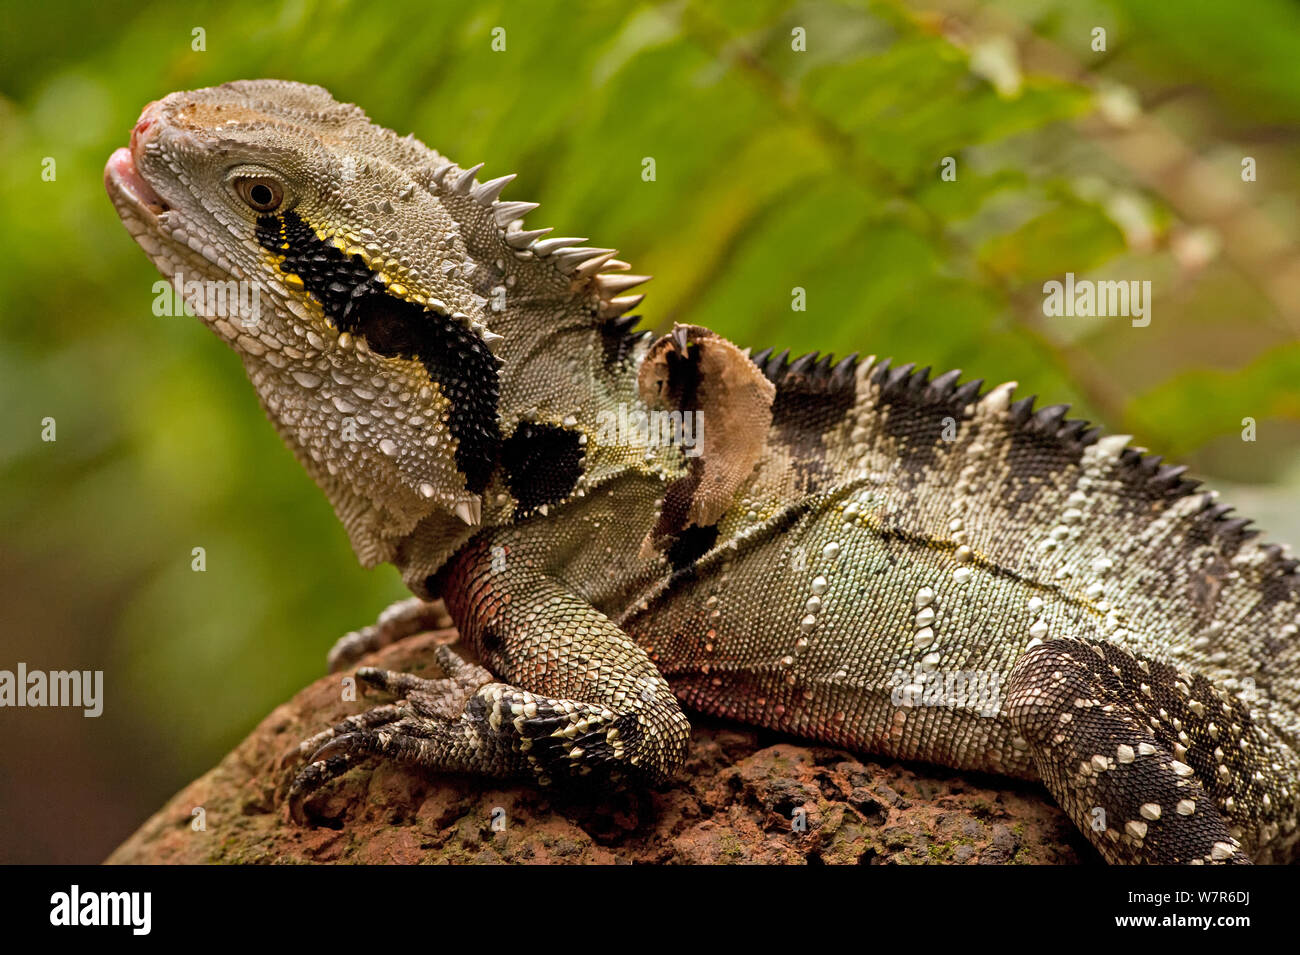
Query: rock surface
{"x": 735, "y": 802}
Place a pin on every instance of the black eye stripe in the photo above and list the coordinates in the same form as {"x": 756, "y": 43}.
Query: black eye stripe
{"x": 384, "y": 329}
{"x": 457, "y": 359}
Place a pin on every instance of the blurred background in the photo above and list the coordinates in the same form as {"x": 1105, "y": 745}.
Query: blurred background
{"x": 796, "y": 145}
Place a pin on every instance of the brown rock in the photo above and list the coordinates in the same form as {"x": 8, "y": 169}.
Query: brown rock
{"x": 744, "y": 796}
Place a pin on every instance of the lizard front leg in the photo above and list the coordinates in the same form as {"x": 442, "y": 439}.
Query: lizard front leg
{"x": 1149, "y": 763}
{"x": 572, "y": 694}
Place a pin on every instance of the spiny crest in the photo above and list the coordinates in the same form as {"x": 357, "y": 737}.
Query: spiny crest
{"x": 596, "y": 268}
{"x": 807, "y": 372}
{"x": 907, "y": 383}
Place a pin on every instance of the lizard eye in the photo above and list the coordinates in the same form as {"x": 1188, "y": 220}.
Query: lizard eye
{"x": 260, "y": 192}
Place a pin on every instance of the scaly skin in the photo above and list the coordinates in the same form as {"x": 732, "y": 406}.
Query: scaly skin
{"x": 852, "y": 552}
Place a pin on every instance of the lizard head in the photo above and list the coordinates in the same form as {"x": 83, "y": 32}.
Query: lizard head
{"x": 386, "y": 305}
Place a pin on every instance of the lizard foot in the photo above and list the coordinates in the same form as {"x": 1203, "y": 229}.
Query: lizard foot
{"x": 424, "y": 708}
{"x": 402, "y": 619}
{"x": 494, "y": 729}
{"x": 443, "y": 697}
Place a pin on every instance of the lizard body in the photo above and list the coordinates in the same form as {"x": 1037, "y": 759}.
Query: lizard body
{"x": 852, "y": 552}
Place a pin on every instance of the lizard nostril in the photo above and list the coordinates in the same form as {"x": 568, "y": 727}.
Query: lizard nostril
{"x": 145, "y": 123}
{"x": 140, "y": 129}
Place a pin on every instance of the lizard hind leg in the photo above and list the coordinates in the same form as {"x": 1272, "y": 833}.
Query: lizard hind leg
{"x": 1109, "y": 735}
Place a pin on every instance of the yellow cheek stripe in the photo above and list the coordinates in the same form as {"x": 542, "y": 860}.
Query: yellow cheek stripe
{"x": 397, "y": 281}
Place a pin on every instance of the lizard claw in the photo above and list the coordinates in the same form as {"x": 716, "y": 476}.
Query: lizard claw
{"x": 397, "y": 728}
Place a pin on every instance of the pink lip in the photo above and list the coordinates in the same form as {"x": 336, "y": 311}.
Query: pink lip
{"x": 120, "y": 176}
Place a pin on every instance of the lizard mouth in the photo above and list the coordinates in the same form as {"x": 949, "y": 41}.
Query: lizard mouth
{"x": 121, "y": 177}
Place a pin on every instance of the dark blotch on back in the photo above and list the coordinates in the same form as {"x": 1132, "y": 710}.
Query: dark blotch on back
{"x": 919, "y": 412}
{"x": 618, "y": 339}
{"x": 1042, "y": 452}
{"x": 541, "y": 464}
{"x": 812, "y": 398}
{"x": 457, "y": 359}
{"x": 683, "y": 383}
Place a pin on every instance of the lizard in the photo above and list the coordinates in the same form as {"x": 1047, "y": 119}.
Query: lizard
{"x": 628, "y": 527}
